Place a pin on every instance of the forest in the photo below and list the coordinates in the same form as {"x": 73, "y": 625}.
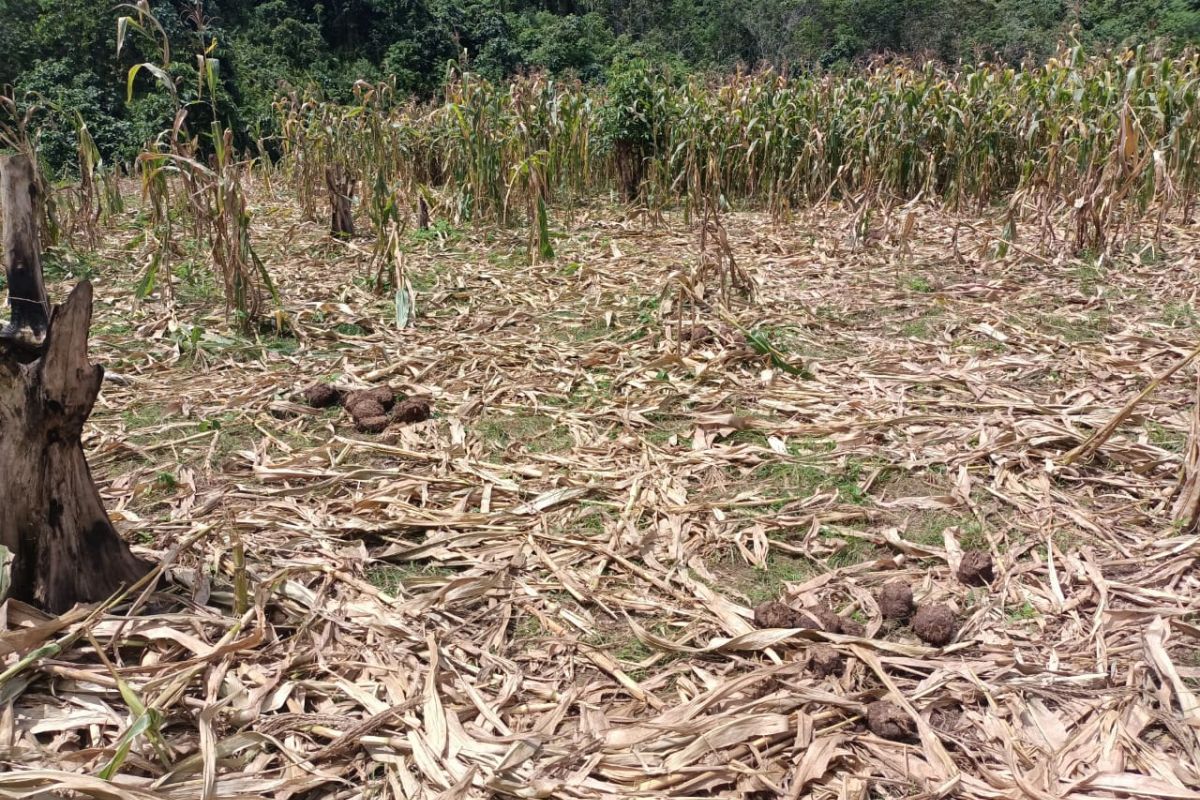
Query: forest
{"x": 63, "y": 50}
{"x": 445, "y": 399}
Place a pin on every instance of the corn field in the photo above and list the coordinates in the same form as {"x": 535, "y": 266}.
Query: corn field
{"x": 1069, "y": 154}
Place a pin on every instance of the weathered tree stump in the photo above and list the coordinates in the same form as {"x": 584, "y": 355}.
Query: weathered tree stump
{"x": 341, "y": 193}
{"x": 422, "y": 214}
{"x": 64, "y": 546}
{"x": 26, "y": 330}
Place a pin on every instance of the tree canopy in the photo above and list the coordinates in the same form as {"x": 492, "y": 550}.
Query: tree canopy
{"x": 64, "y": 50}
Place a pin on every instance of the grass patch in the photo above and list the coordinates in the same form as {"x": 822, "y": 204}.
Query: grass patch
{"x": 928, "y": 529}
{"x": 440, "y": 231}
{"x": 1089, "y": 274}
{"x": 796, "y": 480}
{"x": 919, "y": 284}
{"x": 527, "y": 627}
{"x": 143, "y": 417}
{"x": 1023, "y": 612}
{"x": 919, "y": 328}
{"x": 195, "y": 282}
{"x": 1179, "y": 315}
{"x": 760, "y": 584}
{"x": 854, "y": 550}
{"x": 1075, "y": 330}
{"x": 391, "y": 578}
{"x": 536, "y": 433}
{"x": 666, "y": 424}
{"x": 65, "y": 263}
{"x": 1167, "y": 439}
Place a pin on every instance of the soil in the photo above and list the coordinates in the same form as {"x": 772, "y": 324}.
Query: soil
{"x": 935, "y": 624}
{"x": 889, "y": 721}
{"x": 824, "y": 660}
{"x": 322, "y": 395}
{"x": 896, "y": 601}
{"x": 976, "y": 568}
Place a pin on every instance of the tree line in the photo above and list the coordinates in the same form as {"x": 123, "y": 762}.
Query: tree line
{"x": 63, "y": 51}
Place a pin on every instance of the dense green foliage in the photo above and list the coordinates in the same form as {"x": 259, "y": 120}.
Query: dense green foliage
{"x": 65, "y": 49}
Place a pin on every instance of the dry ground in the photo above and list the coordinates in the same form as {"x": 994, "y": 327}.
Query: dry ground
{"x": 546, "y": 590}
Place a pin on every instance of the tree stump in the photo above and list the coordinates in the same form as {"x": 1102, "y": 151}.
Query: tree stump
{"x": 341, "y": 192}
{"x": 26, "y": 330}
{"x": 422, "y": 214}
{"x": 65, "y": 549}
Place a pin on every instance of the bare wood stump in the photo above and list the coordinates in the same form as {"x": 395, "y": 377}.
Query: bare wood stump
{"x": 26, "y": 330}
{"x": 341, "y": 193}
{"x": 64, "y": 546}
{"x": 422, "y": 214}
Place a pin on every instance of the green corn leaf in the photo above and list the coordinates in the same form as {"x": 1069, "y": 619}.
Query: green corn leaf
{"x": 141, "y": 724}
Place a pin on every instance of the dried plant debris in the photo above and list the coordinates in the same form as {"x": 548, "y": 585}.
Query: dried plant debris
{"x": 548, "y": 587}
{"x": 936, "y": 624}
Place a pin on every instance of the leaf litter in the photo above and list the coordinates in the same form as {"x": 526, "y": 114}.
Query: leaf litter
{"x": 548, "y": 588}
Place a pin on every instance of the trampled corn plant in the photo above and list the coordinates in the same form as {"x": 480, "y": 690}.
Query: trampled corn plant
{"x": 92, "y": 190}
{"x": 1074, "y": 153}
{"x": 19, "y": 133}
{"x": 175, "y": 180}
{"x": 528, "y": 181}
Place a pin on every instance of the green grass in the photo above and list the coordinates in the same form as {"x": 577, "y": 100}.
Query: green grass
{"x": 439, "y": 231}
{"x": 195, "y": 282}
{"x": 527, "y": 627}
{"x": 65, "y": 263}
{"x": 1076, "y": 330}
{"x": 166, "y": 482}
{"x": 596, "y": 329}
{"x": 1025, "y": 611}
{"x": 1089, "y": 274}
{"x": 918, "y": 283}
{"x": 236, "y": 433}
{"x": 919, "y": 328}
{"x": 113, "y": 328}
{"x": 927, "y": 529}
{"x": 760, "y": 584}
{"x": 666, "y": 423}
{"x": 1170, "y": 440}
{"x": 390, "y": 578}
{"x": 855, "y": 550}
{"x": 1179, "y": 315}
{"x": 536, "y": 433}
{"x": 143, "y": 417}
{"x": 796, "y": 480}
{"x": 782, "y": 348}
